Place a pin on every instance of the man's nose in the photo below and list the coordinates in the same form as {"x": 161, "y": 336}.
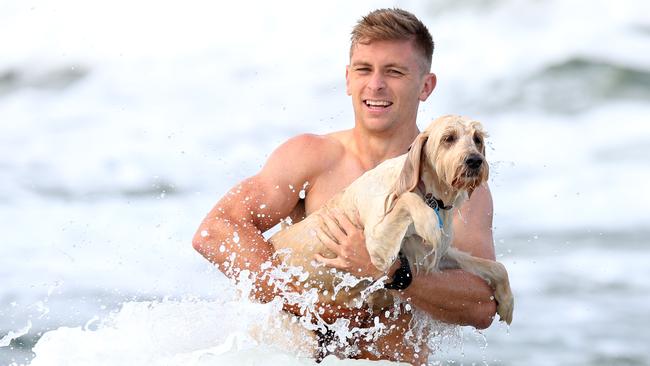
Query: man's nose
{"x": 377, "y": 81}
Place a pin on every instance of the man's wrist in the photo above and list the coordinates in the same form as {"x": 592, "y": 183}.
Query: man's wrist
{"x": 402, "y": 276}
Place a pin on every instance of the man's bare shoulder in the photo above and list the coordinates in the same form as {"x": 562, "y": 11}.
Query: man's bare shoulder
{"x": 309, "y": 142}
{"x": 307, "y": 154}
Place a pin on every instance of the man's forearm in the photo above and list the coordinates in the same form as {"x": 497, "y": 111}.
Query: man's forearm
{"x": 453, "y": 296}
{"x": 235, "y": 247}
{"x": 251, "y": 252}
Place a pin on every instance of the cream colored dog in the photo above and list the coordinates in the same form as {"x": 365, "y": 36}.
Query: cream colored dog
{"x": 444, "y": 165}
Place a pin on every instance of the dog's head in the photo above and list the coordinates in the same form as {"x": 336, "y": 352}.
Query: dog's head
{"x": 452, "y": 152}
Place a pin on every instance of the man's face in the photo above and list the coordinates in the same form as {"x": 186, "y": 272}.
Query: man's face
{"x": 386, "y": 81}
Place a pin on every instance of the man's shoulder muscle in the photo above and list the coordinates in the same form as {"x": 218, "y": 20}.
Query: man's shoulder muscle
{"x": 275, "y": 191}
{"x": 302, "y": 158}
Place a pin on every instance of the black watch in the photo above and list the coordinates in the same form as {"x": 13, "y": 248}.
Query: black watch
{"x": 402, "y": 277}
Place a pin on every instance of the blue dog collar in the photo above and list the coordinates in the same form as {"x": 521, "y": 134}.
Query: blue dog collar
{"x": 436, "y": 204}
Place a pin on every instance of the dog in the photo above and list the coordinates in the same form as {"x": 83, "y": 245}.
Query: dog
{"x": 404, "y": 205}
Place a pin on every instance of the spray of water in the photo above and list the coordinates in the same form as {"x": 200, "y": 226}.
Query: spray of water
{"x": 424, "y": 333}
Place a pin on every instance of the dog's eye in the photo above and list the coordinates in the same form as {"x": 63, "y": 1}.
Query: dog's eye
{"x": 478, "y": 140}
{"x": 449, "y": 138}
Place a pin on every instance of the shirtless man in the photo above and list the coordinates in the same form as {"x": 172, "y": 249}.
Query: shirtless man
{"x": 388, "y": 76}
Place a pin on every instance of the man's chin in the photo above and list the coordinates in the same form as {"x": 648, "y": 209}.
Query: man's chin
{"x": 379, "y": 124}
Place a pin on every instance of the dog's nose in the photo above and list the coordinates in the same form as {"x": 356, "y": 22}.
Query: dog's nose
{"x": 474, "y": 161}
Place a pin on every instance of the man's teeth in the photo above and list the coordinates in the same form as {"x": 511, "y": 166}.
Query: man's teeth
{"x": 378, "y": 103}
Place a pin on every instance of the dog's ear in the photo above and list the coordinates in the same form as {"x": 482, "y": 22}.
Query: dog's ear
{"x": 471, "y": 189}
{"x": 486, "y": 171}
{"x": 410, "y": 175}
{"x": 480, "y": 131}
{"x": 483, "y": 150}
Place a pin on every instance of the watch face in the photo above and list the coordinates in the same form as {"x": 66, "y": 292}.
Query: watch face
{"x": 402, "y": 277}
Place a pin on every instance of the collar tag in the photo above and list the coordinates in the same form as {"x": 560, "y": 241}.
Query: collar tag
{"x": 431, "y": 201}
{"x": 436, "y": 205}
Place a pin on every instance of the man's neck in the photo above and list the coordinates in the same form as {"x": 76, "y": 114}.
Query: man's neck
{"x": 373, "y": 148}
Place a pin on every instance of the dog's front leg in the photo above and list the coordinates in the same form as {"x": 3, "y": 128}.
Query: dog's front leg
{"x": 491, "y": 271}
{"x": 385, "y": 239}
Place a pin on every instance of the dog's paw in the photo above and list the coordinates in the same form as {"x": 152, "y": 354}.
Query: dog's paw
{"x": 505, "y": 303}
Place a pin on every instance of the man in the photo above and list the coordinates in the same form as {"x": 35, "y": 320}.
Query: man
{"x": 388, "y": 76}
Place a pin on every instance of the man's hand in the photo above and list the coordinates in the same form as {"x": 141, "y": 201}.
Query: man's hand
{"x": 346, "y": 239}
{"x": 330, "y": 312}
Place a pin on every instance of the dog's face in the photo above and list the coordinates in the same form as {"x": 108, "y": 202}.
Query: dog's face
{"x": 452, "y": 149}
{"x": 455, "y": 148}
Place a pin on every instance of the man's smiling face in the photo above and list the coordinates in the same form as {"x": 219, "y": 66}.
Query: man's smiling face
{"x": 387, "y": 80}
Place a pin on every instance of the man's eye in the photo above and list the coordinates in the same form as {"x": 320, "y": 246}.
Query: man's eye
{"x": 363, "y": 69}
{"x": 395, "y": 72}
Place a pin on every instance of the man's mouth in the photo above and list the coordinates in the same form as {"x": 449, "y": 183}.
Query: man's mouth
{"x": 377, "y": 104}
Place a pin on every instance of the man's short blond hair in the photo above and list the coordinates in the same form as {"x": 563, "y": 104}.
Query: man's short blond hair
{"x": 393, "y": 25}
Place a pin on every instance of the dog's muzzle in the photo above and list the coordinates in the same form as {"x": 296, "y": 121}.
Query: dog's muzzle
{"x": 474, "y": 162}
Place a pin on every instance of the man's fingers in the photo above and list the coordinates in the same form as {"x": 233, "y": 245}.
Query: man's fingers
{"x": 323, "y": 228}
{"x": 344, "y": 222}
{"x": 357, "y": 219}
{"x": 330, "y": 262}
{"x": 333, "y": 227}
{"x": 328, "y": 242}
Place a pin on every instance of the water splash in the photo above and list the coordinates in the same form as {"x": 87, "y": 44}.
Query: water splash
{"x": 6, "y": 340}
{"x": 424, "y": 332}
{"x": 302, "y": 194}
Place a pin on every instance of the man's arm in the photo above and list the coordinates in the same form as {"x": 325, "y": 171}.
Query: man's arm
{"x": 231, "y": 237}
{"x": 453, "y": 296}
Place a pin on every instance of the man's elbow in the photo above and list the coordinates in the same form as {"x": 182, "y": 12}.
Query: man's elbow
{"x": 484, "y": 314}
{"x": 198, "y": 245}
{"x": 201, "y": 245}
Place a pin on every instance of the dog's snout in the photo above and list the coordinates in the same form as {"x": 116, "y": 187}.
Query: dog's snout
{"x": 474, "y": 161}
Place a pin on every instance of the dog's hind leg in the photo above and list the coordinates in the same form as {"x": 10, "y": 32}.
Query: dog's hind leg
{"x": 491, "y": 271}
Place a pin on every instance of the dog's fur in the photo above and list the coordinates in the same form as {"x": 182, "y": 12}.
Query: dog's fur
{"x": 390, "y": 202}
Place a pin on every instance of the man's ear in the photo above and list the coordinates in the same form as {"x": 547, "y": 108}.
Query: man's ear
{"x": 430, "y": 81}
{"x": 347, "y": 80}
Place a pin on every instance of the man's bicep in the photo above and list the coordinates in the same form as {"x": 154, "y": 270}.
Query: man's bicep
{"x": 268, "y": 200}
{"x": 276, "y": 190}
{"x": 473, "y": 224}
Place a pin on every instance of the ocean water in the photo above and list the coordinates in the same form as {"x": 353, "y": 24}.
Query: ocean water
{"x": 122, "y": 123}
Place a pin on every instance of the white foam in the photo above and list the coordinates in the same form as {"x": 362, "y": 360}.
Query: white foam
{"x": 4, "y": 341}
{"x": 187, "y": 332}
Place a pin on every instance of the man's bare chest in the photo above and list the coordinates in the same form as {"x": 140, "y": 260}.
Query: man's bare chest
{"x": 328, "y": 184}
